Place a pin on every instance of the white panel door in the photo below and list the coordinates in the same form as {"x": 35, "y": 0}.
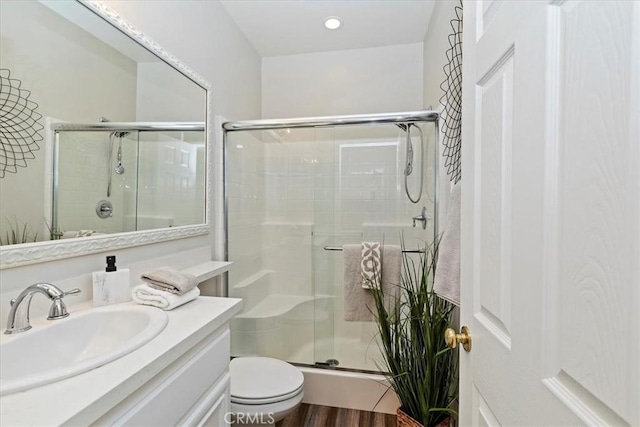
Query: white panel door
{"x": 551, "y": 213}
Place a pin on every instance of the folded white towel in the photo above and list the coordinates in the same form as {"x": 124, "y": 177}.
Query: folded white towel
{"x": 170, "y": 280}
{"x": 447, "y": 280}
{"x": 371, "y": 265}
{"x": 145, "y": 294}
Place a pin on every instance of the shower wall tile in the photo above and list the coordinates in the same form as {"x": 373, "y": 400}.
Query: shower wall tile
{"x": 288, "y": 252}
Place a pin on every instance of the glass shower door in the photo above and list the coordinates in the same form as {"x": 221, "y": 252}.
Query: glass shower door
{"x": 361, "y": 197}
{"x": 294, "y": 197}
{"x": 270, "y": 187}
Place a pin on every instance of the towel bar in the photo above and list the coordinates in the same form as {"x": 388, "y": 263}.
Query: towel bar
{"x": 408, "y": 251}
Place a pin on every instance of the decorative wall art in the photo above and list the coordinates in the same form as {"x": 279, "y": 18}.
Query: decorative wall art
{"x": 19, "y": 125}
{"x": 451, "y": 100}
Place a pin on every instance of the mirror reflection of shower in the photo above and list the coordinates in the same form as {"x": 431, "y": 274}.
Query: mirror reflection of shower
{"x": 408, "y": 169}
{"x": 118, "y": 168}
{"x": 153, "y": 173}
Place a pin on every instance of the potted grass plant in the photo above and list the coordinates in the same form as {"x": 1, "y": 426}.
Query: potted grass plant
{"x": 419, "y": 366}
{"x": 18, "y": 232}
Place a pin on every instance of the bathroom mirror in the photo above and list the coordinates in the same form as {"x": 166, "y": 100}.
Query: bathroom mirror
{"x": 111, "y": 150}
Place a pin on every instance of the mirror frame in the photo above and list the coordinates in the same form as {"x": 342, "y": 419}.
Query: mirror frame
{"x": 32, "y": 253}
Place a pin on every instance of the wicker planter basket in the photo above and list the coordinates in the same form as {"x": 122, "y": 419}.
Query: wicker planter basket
{"x": 404, "y": 420}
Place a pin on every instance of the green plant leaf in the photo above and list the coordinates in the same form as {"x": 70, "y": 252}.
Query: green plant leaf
{"x": 419, "y": 366}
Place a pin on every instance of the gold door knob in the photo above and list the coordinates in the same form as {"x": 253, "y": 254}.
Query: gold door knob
{"x": 452, "y": 339}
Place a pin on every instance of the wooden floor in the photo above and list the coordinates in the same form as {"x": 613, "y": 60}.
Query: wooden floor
{"x": 326, "y": 416}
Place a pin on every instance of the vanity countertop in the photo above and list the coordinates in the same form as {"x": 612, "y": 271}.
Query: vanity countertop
{"x": 82, "y": 399}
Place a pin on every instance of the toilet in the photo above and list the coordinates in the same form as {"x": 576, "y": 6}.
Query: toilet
{"x": 263, "y": 390}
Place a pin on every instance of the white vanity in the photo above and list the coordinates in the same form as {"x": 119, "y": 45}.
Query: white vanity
{"x": 180, "y": 377}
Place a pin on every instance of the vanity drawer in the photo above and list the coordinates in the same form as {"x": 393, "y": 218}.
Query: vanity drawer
{"x": 170, "y": 396}
{"x": 213, "y": 408}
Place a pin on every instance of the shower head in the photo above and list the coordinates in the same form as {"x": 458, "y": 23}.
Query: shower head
{"x": 117, "y": 133}
{"x": 405, "y": 126}
{"x": 408, "y": 166}
{"x": 119, "y": 168}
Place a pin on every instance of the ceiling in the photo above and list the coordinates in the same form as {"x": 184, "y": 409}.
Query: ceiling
{"x": 288, "y": 27}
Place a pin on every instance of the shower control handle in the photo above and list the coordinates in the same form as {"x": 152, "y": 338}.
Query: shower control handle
{"x": 104, "y": 209}
{"x": 422, "y": 218}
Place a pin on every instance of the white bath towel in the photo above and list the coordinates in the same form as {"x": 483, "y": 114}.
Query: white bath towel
{"x": 359, "y": 304}
{"x": 371, "y": 264}
{"x": 145, "y": 294}
{"x": 170, "y": 280}
{"x": 447, "y": 279}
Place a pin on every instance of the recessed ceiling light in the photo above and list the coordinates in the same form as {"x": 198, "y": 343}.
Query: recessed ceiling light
{"x": 332, "y": 23}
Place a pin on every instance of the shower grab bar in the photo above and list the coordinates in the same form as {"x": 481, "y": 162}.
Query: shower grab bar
{"x": 406, "y": 251}
{"x": 324, "y": 121}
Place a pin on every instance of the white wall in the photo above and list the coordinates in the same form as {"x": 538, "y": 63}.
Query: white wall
{"x": 165, "y": 95}
{"x": 436, "y": 44}
{"x": 358, "y": 81}
{"x": 203, "y": 36}
{"x": 435, "y": 48}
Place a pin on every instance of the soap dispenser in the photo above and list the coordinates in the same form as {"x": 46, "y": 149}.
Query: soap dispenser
{"x": 112, "y": 285}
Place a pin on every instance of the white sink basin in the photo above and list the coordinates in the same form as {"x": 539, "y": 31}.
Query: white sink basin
{"x": 83, "y": 341}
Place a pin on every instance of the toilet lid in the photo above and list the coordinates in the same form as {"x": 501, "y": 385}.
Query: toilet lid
{"x": 260, "y": 380}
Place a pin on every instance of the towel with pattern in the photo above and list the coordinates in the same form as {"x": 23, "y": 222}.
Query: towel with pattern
{"x": 370, "y": 264}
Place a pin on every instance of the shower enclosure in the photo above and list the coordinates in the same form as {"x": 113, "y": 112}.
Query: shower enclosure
{"x": 114, "y": 177}
{"x": 296, "y": 190}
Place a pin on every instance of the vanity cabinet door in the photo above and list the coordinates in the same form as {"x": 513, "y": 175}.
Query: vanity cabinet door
{"x": 184, "y": 392}
{"x": 211, "y": 410}
{"x": 217, "y": 415}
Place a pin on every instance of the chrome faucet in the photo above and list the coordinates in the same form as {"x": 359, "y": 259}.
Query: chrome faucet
{"x": 19, "y": 315}
{"x": 422, "y": 218}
